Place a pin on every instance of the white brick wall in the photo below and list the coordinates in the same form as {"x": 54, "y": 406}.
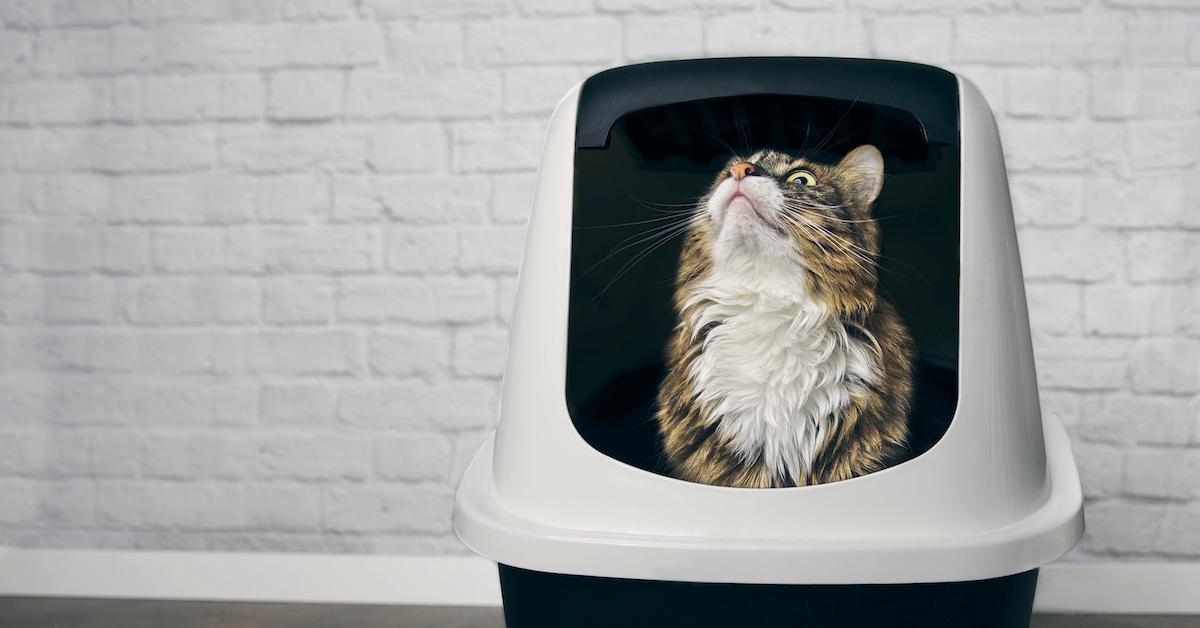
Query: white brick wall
{"x": 257, "y": 257}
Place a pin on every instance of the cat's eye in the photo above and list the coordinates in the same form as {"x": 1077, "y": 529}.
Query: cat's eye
{"x": 801, "y": 177}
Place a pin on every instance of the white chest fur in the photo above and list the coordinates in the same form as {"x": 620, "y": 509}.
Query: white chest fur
{"x": 777, "y": 371}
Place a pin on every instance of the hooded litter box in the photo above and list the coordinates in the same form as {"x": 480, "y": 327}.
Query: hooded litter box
{"x": 575, "y": 496}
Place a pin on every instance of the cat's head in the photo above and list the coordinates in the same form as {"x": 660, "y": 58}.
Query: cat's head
{"x": 778, "y": 212}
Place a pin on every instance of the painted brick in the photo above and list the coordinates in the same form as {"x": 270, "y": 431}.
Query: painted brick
{"x": 442, "y": 10}
{"x": 1070, "y": 254}
{"x": 1033, "y": 39}
{"x": 512, "y": 196}
{"x": 453, "y": 93}
{"x": 296, "y": 404}
{"x": 60, "y": 102}
{"x": 289, "y": 507}
{"x": 309, "y": 95}
{"x": 257, "y": 256}
{"x": 317, "y": 457}
{"x": 188, "y": 250}
{"x": 81, "y": 453}
{"x": 20, "y": 501}
{"x": 912, "y": 37}
{"x": 1043, "y": 145}
{"x": 1042, "y": 93}
{"x": 1164, "y": 256}
{"x": 1160, "y": 40}
{"x": 537, "y": 89}
{"x": 189, "y": 352}
{"x": 78, "y": 300}
{"x": 1047, "y": 200}
{"x": 578, "y": 40}
{"x": 664, "y": 37}
{"x": 278, "y": 149}
{"x": 419, "y": 147}
{"x": 443, "y": 199}
{"x": 212, "y": 97}
{"x": 387, "y": 508}
{"x": 189, "y": 457}
{"x": 506, "y": 298}
{"x": 16, "y": 52}
{"x": 458, "y": 405}
{"x": 411, "y": 351}
{"x": 480, "y": 352}
{"x": 1151, "y": 201}
{"x": 422, "y": 249}
{"x": 72, "y": 51}
{"x": 312, "y": 249}
{"x": 166, "y": 149}
{"x": 1155, "y": 92}
{"x": 182, "y": 199}
{"x": 124, "y": 251}
{"x": 166, "y": 504}
{"x": 66, "y": 504}
{"x": 1100, "y": 468}
{"x": 480, "y": 146}
{"x": 1129, "y": 527}
{"x": 250, "y": 46}
{"x": 297, "y": 300}
{"x": 1151, "y": 420}
{"x": 650, "y": 6}
{"x": 1160, "y": 365}
{"x": 425, "y": 45}
{"x": 1054, "y": 308}
{"x": 1178, "y": 534}
{"x": 191, "y": 301}
{"x": 303, "y": 352}
{"x": 1162, "y": 473}
{"x": 64, "y": 249}
{"x": 1123, "y": 310}
{"x": 413, "y": 457}
{"x": 194, "y": 404}
{"x": 316, "y": 10}
{"x": 466, "y": 446}
{"x": 422, "y": 300}
{"x": 293, "y": 198}
{"x": 46, "y": 150}
{"x": 1163, "y": 143}
{"x": 829, "y": 34}
{"x": 492, "y": 249}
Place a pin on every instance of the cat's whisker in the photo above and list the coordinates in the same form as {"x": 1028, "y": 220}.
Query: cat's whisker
{"x": 828, "y": 136}
{"x": 681, "y": 223}
{"x": 662, "y": 239}
{"x": 629, "y": 224}
{"x": 658, "y": 204}
{"x": 813, "y": 210}
{"x": 843, "y": 244}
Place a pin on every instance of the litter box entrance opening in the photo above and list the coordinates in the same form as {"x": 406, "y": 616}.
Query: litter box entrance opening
{"x": 655, "y": 164}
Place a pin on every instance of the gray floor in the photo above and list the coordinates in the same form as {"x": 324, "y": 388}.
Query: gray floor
{"x": 87, "y": 613}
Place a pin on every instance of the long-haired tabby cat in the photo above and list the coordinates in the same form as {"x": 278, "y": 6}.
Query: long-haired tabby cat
{"x": 786, "y": 367}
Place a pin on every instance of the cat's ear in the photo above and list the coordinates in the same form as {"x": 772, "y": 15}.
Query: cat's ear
{"x": 862, "y": 170}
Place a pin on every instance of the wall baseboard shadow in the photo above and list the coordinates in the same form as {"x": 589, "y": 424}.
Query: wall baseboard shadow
{"x": 1127, "y": 588}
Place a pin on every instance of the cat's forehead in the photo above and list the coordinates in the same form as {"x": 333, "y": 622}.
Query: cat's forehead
{"x": 775, "y": 161}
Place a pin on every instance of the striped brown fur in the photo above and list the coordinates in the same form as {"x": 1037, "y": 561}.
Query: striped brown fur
{"x": 872, "y": 430}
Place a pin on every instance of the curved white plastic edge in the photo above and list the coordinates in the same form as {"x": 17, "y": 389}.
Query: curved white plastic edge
{"x": 997, "y": 495}
{"x": 1044, "y": 535}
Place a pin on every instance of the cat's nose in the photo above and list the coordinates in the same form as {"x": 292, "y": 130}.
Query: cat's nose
{"x": 742, "y": 170}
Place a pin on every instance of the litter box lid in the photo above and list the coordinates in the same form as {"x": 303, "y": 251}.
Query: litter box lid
{"x": 997, "y": 493}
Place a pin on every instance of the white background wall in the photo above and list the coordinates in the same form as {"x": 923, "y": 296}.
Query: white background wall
{"x": 256, "y": 256}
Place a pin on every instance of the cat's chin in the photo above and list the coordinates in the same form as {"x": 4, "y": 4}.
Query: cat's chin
{"x": 741, "y": 205}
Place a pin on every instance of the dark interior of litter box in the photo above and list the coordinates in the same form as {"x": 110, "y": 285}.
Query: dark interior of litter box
{"x": 655, "y": 161}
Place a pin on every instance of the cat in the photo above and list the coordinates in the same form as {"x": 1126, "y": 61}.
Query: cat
{"x": 786, "y": 367}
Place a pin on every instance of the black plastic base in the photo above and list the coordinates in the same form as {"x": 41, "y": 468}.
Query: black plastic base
{"x": 534, "y": 599}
